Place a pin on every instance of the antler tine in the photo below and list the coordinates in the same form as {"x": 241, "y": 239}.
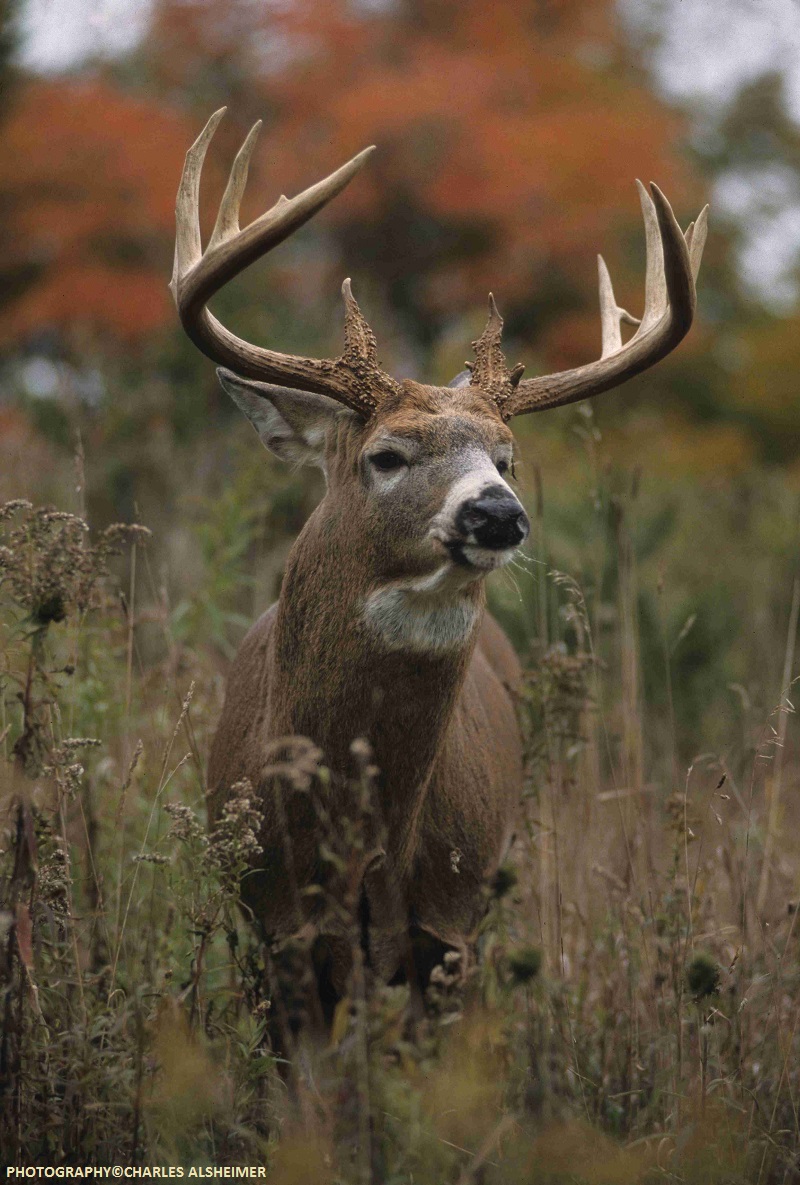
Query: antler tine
{"x": 198, "y": 275}
{"x": 673, "y": 261}
{"x": 655, "y": 285}
{"x": 490, "y": 370}
{"x": 360, "y": 345}
{"x": 609, "y": 310}
{"x": 696, "y": 241}
{"x": 188, "y": 244}
{"x": 612, "y": 315}
{"x": 681, "y": 296}
{"x": 227, "y": 224}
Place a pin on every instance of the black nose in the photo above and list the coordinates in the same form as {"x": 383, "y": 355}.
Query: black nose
{"x": 493, "y": 519}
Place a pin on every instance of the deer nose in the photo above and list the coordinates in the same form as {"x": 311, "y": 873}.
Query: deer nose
{"x": 494, "y": 519}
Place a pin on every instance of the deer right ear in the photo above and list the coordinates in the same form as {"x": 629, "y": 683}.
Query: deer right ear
{"x": 292, "y": 424}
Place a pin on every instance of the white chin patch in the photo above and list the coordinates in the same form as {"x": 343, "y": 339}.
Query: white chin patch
{"x": 487, "y": 559}
{"x": 426, "y": 616}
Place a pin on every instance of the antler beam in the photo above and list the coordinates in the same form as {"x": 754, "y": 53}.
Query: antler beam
{"x": 355, "y": 378}
{"x": 673, "y": 261}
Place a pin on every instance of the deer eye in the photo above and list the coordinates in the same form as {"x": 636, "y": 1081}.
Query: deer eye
{"x": 502, "y": 467}
{"x": 387, "y": 460}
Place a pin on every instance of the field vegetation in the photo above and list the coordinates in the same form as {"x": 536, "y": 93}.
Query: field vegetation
{"x": 633, "y": 1016}
{"x": 634, "y": 1013}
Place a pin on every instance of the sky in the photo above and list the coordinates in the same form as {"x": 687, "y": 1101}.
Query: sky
{"x": 698, "y": 51}
{"x": 709, "y": 48}
{"x": 703, "y": 52}
{"x": 60, "y": 34}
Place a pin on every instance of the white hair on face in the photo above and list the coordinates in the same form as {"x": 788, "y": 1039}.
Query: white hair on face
{"x": 488, "y": 559}
{"x": 402, "y": 625}
{"x": 480, "y": 473}
{"x": 420, "y": 616}
{"x": 431, "y": 614}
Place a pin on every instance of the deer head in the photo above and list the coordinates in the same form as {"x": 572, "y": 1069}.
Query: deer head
{"x": 418, "y": 472}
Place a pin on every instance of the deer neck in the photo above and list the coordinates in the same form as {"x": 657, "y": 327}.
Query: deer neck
{"x": 381, "y": 659}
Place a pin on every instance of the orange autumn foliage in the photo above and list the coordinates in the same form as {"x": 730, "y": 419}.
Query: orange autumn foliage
{"x": 89, "y": 176}
{"x": 518, "y": 121}
{"x": 508, "y": 134}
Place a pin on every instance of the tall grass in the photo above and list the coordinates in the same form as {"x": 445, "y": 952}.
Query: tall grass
{"x": 634, "y": 1013}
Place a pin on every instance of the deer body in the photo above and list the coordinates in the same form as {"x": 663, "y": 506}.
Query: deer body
{"x": 350, "y": 651}
{"x": 381, "y": 630}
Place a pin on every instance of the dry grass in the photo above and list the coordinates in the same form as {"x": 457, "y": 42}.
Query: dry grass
{"x": 634, "y": 1017}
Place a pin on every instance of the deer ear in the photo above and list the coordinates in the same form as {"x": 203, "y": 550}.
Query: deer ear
{"x": 292, "y": 424}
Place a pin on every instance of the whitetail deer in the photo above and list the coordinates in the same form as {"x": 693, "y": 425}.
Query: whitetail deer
{"x": 381, "y": 630}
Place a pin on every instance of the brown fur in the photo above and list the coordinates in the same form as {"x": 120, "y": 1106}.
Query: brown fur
{"x": 378, "y": 630}
{"x": 442, "y": 726}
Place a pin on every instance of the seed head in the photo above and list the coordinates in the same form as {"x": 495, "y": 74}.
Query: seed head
{"x": 702, "y": 976}
{"x": 525, "y": 963}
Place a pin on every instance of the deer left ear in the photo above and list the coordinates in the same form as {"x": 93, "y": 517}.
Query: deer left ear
{"x": 292, "y": 424}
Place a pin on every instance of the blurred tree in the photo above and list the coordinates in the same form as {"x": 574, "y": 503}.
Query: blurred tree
{"x": 88, "y": 178}
{"x": 751, "y": 153}
{"x": 9, "y": 39}
{"x": 508, "y": 140}
{"x": 738, "y": 91}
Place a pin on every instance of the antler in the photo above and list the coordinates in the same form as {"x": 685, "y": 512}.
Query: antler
{"x": 354, "y": 379}
{"x": 673, "y": 261}
{"x": 490, "y": 370}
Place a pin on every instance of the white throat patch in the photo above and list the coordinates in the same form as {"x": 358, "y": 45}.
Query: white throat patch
{"x": 422, "y": 616}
